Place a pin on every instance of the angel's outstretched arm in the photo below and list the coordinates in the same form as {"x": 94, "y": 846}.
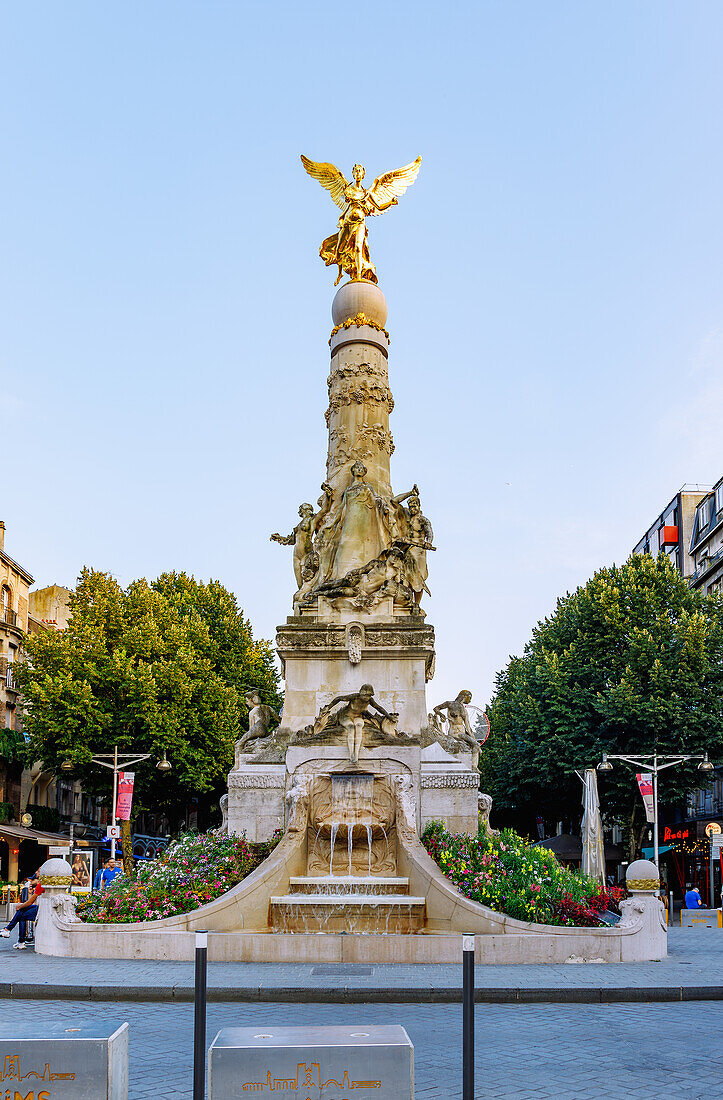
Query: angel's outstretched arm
{"x": 382, "y": 206}
{"x": 377, "y": 706}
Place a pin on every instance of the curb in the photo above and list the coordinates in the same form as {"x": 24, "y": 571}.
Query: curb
{"x": 360, "y": 995}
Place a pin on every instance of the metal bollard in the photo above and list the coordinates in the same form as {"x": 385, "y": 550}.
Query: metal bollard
{"x": 199, "y": 1018}
{"x": 468, "y": 1018}
{"x": 670, "y": 907}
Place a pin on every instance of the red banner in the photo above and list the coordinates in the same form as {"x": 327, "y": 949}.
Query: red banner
{"x": 645, "y": 783}
{"x": 125, "y": 796}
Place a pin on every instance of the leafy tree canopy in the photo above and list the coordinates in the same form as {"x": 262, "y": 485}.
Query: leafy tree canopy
{"x": 150, "y": 668}
{"x": 629, "y": 663}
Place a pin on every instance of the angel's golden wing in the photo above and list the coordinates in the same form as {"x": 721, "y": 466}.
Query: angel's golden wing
{"x": 392, "y": 184}
{"x": 329, "y": 177}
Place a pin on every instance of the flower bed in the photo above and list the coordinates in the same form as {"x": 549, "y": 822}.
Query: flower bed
{"x": 510, "y": 875}
{"x": 191, "y": 872}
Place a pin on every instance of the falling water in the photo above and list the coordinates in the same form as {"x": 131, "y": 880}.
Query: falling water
{"x": 352, "y": 797}
{"x": 334, "y": 831}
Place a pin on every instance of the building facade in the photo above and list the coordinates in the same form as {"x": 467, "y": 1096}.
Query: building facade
{"x": 29, "y": 790}
{"x": 706, "y": 542}
{"x": 690, "y": 532}
{"x": 15, "y": 584}
{"x": 672, "y": 531}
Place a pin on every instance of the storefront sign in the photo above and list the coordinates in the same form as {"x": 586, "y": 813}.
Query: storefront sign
{"x": 125, "y": 796}
{"x": 645, "y": 783}
{"x": 712, "y": 827}
{"x": 676, "y": 832}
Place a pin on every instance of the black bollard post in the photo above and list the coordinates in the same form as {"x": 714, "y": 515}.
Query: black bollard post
{"x": 468, "y": 1018}
{"x": 199, "y": 1018}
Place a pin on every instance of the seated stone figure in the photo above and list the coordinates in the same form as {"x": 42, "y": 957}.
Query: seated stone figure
{"x": 384, "y": 576}
{"x": 353, "y": 722}
{"x": 459, "y": 727}
{"x": 260, "y": 717}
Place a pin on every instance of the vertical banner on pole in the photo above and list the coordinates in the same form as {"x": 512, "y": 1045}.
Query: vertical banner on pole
{"x": 125, "y": 795}
{"x": 645, "y": 784}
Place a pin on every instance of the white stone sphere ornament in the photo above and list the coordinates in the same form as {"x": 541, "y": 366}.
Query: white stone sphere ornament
{"x": 359, "y": 296}
{"x": 56, "y": 872}
{"x": 642, "y": 876}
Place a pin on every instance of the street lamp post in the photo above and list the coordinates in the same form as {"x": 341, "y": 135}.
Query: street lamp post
{"x": 118, "y": 763}
{"x": 650, "y": 762}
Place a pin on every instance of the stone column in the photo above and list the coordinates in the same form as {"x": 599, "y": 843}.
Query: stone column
{"x": 360, "y": 400}
{"x": 13, "y": 854}
{"x": 644, "y": 913}
{"x": 56, "y": 876}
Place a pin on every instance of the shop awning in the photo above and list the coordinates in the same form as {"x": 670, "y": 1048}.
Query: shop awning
{"x": 19, "y": 833}
{"x": 650, "y": 852}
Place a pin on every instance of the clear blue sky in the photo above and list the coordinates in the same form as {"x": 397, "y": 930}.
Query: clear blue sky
{"x": 554, "y": 283}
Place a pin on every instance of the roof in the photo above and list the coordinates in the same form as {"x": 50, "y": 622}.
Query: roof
{"x": 14, "y": 565}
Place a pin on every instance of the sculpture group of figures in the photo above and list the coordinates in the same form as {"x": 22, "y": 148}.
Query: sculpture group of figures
{"x": 358, "y": 547}
{"x": 360, "y": 720}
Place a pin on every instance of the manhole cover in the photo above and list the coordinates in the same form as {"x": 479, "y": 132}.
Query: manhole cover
{"x": 338, "y": 970}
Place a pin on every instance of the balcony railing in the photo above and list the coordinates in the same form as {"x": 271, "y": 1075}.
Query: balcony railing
{"x": 7, "y": 616}
{"x": 10, "y": 681}
{"x": 705, "y": 566}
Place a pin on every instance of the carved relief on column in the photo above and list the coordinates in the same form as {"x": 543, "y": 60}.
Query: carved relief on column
{"x": 360, "y": 402}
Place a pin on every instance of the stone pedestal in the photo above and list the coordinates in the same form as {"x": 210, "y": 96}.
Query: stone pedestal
{"x": 256, "y": 799}
{"x": 321, "y": 660}
{"x": 312, "y": 1062}
{"x": 449, "y": 790}
{"x": 62, "y": 1062}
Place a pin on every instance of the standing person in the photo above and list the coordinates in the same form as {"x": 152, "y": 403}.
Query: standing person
{"x": 98, "y": 880}
{"x": 693, "y": 899}
{"x": 25, "y": 911}
{"x": 112, "y": 869}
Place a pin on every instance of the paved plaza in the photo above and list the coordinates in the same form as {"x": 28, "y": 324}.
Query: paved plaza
{"x": 522, "y": 1051}
{"x": 553, "y": 1048}
{"x": 692, "y": 971}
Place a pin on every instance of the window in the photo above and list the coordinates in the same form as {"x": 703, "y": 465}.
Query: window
{"x": 702, "y": 517}
{"x": 8, "y": 718}
{"x": 719, "y": 499}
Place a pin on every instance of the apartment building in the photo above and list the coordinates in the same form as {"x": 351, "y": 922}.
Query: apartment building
{"x": 672, "y": 531}
{"x": 15, "y": 584}
{"x": 690, "y": 531}
{"x": 706, "y": 543}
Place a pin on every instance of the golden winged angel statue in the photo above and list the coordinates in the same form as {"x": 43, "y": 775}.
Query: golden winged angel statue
{"x": 348, "y": 248}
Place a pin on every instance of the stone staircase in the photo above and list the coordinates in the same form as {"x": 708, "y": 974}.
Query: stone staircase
{"x": 337, "y": 903}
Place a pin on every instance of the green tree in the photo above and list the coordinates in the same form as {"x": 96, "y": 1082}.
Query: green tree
{"x": 630, "y": 662}
{"x": 151, "y": 668}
